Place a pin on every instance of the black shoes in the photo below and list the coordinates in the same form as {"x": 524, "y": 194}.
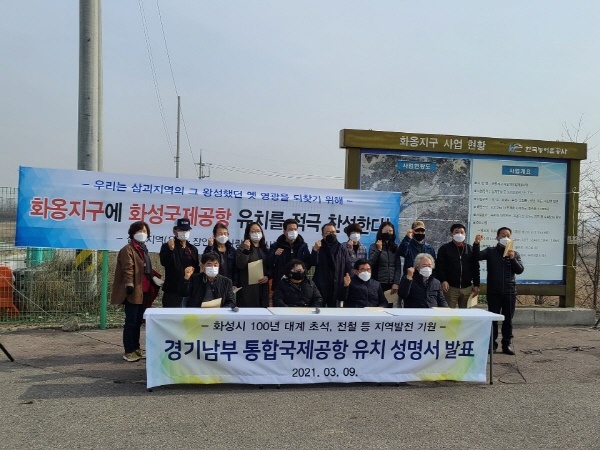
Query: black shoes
{"x": 508, "y": 350}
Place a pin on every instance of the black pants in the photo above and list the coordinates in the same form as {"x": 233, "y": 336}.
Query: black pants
{"x": 134, "y": 315}
{"x": 171, "y": 300}
{"x": 503, "y": 304}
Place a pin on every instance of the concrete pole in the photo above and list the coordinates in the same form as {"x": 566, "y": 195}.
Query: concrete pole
{"x": 178, "y": 132}
{"x": 87, "y": 136}
{"x": 100, "y": 94}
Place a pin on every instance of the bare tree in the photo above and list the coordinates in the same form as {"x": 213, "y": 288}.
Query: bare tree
{"x": 588, "y": 224}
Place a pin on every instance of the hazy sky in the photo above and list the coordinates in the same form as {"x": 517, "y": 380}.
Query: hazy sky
{"x": 267, "y": 85}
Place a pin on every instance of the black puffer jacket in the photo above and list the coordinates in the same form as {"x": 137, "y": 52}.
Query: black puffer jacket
{"x": 196, "y": 286}
{"x": 501, "y": 270}
{"x": 360, "y": 294}
{"x": 298, "y": 250}
{"x": 421, "y": 293}
{"x": 301, "y": 294}
{"x": 385, "y": 264}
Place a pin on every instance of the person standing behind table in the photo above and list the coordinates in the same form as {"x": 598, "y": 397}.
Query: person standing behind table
{"x": 175, "y": 256}
{"x": 131, "y": 287}
{"x": 361, "y": 290}
{"x": 254, "y": 248}
{"x": 220, "y": 245}
{"x": 502, "y": 284}
{"x": 295, "y": 289}
{"x": 290, "y": 245}
{"x": 457, "y": 266}
{"x": 384, "y": 259}
{"x": 413, "y": 244}
{"x": 355, "y": 248}
{"x": 418, "y": 287}
{"x": 207, "y": 285}
{"x": 332, "y": 262}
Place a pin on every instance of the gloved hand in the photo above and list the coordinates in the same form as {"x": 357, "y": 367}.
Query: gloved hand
{"x": 129, "y": 290}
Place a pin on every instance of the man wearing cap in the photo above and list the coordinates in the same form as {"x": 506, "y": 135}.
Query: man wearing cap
{"x": 290, "y": 245}
{"x": 413, "y": 244}
{"x": 457, "y": 267}
{"x": 175, "y": 255}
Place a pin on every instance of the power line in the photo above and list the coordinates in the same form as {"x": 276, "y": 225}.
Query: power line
{"x": 154, "y": 78}
{"x": 266, "y": 173}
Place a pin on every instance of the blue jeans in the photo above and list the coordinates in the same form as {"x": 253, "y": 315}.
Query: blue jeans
{"x": 134, "y": 315}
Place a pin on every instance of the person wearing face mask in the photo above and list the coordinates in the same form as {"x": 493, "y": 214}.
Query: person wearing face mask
{"x": 361, "y": 290}
{"x": 290, "y": 245}
{"x": 175, "y": 255}
{"x": 208, "y": 285}
{"x": 384, "y": 258}
{"x": 332, "y": 262}
{"x": 134, "y": 287}
{"x": 413, "y": 244}
{"x": 418, "y": 287}
{"x": 254, "y": 248}
{"x": 219, "y": 244}
{"x": 356, "y": 249}
{"x": 502, "y": 265}
{"x": 457, "y": 267}
{"x": 295, "y": 289}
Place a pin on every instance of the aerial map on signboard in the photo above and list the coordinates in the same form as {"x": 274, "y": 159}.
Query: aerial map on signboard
{"x": 483, "y": 193}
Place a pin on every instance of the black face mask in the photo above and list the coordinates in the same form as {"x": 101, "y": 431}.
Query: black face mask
{"x": 387, "y": 236}
{"x": 331, "y": 238}
{"x": 297, "y": 275}
{"x": 419, "y": 237}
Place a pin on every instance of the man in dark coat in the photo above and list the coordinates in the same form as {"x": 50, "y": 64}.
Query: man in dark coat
{"x": 175, "y": 255}
{"x": 418, "y": 287}
{"x": 457, "y": 268}
{"x": 413, "y": 244}
{"x": 503, "y": 263}
{"x": 361, "y": 290}
{"x": 290, "y": 245}
{"x": 295, "y": 289}
{"x": 208, "y": 285}
{"x": 332, "y": 262}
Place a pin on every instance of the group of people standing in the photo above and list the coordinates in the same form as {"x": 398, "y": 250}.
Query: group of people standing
{"x": 345, "y": 272}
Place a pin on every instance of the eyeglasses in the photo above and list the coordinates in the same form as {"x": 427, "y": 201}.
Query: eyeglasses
{"x": 329, "y": 233}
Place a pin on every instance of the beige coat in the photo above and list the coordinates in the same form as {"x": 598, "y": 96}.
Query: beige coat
{"x": 129, "y": 272}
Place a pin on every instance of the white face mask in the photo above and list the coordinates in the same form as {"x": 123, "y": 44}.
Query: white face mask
{"x": 255, "y": 237}
{"x": 140, "y": 237}
{"x": 365, "y": 276}
{"x": 222, "y": 239}
{"x": 292, "y": 235}
{"x": 458, "y": 237}
{"x": 355, "y": 237}
{"x": 426, "y": 271}
{"x": 183, "y": 235}
{"x": 211, "y": 271}
{"x": 504, "y": 241}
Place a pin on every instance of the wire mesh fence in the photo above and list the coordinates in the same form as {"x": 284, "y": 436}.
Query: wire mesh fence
{"x": 51, "y": 286}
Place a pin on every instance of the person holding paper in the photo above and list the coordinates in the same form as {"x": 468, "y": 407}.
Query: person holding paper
{"x": 332, "y": 261}
{"x": 251, "y": 260}
{"x": 295, "y": 289}
{"x": 175, "y": 255}
{"x": 503, "y": 263}
{"x": 219, "y": 243}
{"x": 207, "y": 287}
{"x": 361, "y": 290}
{"x": 290, "y": 245}
{"x": 419, "y": 288}
{"x": 384, "y": 258}
{"x": 457, "y": 268}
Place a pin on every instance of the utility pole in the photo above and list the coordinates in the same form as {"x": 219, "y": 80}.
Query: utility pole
{"x": 178, "y": 131}
{"x": 201, "y": 165}
{"x": 89, "y": 134}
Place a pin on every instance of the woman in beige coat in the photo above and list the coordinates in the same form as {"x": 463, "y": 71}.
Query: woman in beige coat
{"x": 132, "y": 287}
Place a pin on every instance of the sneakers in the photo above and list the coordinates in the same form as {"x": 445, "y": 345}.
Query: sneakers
{"x": 141, "y": 353}
{"x": 131, "y": 357}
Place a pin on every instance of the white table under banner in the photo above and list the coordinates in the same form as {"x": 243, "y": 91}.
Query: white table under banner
{"x": 304, "y": 345}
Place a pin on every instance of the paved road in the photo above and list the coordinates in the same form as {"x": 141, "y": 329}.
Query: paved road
{"x": 73, "y": 390}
